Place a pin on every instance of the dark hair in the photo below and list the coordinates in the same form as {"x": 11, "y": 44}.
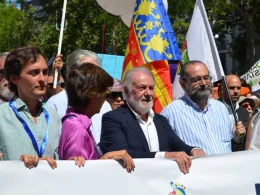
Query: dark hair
{"x": 183, "y": 72}
{"x": 16, "y": 60}
{"x": 84, "y": 82}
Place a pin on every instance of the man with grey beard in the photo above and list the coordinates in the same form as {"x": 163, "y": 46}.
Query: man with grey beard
{"x": 197, "y": 119}
{"x": 5, "y": 93}
{"x": 135, "y": 128}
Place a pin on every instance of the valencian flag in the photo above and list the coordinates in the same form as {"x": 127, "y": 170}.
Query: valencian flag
{"x": 151, "y": 43}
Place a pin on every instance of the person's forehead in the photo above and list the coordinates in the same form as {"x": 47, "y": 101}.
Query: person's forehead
{"x": 142, "y": 78}
{"x": 40, "y": 63}
{"x": 197, "y": 69}
{"x": 246, "y": 102}
{"x": 87, "y": 59}
{"x": 233, "y": 81}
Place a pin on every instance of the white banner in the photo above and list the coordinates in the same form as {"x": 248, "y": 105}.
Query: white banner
{"x": 252, "y": 76}
{"x": 234, "y": 174}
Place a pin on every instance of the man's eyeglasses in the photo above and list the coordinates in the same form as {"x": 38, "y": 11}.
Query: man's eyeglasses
{"x": 62, "y": 85}
{"x": 115, "y": 95}
{"x": 199, "y": 79}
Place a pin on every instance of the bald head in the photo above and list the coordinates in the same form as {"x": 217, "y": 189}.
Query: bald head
{"x": 234, "y": 87}
{"x": 232, "y": 78}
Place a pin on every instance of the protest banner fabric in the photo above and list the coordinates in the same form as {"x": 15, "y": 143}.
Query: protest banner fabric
{"x": 199, "y": 45}
{"x": 151, "y": 43}
{"x": 252, "y": 77}
{"x": 236, "y": 173}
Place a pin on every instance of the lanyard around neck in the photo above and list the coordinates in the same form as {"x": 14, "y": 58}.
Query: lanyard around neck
{"x": 29, "y": 132}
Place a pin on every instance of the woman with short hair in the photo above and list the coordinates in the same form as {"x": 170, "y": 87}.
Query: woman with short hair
{"x": 86, "y": 88}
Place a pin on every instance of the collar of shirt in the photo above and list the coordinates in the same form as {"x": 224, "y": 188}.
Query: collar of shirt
{"x": 82, "y": 117}
{"x": 138, "y": 117}
{"x": 2, "y": 101}
{"x": 187, "y": 100}
{"x": 20, "y": 105}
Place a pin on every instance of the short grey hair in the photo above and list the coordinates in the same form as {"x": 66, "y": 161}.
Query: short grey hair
{"x": 129, "y": 74}
{"x": 4, "y": 54}
{"x": 74, "y": 58}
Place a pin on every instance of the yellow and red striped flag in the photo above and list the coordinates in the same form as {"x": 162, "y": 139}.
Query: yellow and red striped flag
{"x": 151, "y": 43}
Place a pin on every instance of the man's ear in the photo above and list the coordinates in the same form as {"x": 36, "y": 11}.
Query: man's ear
{"x": 14, "y": 79}
{"x": 182, "y": 83}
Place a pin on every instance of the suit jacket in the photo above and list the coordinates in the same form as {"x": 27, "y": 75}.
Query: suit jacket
{"x": 121, "y": 130}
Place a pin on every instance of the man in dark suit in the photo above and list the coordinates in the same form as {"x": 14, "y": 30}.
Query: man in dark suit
{"x": 137, "y": 129}
{"x": 234, "y": 87}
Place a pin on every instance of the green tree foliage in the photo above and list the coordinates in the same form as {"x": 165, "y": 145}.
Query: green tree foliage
{"x": 240, "y": 19}
{"x": 14, "y": 27}
{"x": 88, "y": 27}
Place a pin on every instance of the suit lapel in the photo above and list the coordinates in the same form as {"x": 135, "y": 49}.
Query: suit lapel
{"x": 135, "y": 126}
{"x": 159, "y": 128}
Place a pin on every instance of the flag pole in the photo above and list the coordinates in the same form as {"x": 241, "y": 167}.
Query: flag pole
{"x": 230, "y": 100}
{"x": 210, "y": 33}
{"x": 60, "y": 40}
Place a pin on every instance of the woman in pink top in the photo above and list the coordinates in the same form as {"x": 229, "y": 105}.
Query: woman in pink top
{"x": 86, "y": 88}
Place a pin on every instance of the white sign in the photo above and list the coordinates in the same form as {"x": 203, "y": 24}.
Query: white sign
{"x": 252, "y": 76}
{"x": 235, "y": 174}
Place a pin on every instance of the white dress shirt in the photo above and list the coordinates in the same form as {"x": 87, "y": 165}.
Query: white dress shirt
{"x": 150, "y": 132}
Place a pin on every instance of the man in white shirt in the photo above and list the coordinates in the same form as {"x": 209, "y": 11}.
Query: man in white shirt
{"x": 60, "y": 100}
{"x": 135, "y": 128}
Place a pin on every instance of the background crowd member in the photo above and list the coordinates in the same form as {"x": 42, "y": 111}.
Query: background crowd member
{"x": 253, "y": 134}
{"x": 5, "y": 93}
{"x": 50, "y": 91}
{"x": 86, "y": 95}
{"x": 248, "y": 104}
{"x": 28, "y": 130}
{"x": 60, "y": 101}
{"x": 134, "y": 127}
{"x": 115, "y": 97}
{"x": 197, "y": 119}
{"x": 234, "y": 88}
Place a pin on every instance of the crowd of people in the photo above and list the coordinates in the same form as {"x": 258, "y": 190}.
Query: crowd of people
{"x": 91, "y": 116}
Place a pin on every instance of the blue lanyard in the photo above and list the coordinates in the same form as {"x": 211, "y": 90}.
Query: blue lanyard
{"x": 28, "y": 131}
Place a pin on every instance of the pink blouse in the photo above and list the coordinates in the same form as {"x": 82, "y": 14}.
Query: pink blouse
{"x": 76, "y": 139}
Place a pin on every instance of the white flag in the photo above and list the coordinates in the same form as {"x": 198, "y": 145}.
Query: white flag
{"x": 252, "y": 76}
{"x": 200, "y": 46}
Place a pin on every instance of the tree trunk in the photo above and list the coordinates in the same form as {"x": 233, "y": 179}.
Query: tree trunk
{"x": 250, "y": 43}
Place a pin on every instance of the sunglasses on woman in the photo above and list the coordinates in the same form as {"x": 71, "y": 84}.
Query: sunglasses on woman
{"x": 247, "y": 105}
{"x": 115, "y": 95}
